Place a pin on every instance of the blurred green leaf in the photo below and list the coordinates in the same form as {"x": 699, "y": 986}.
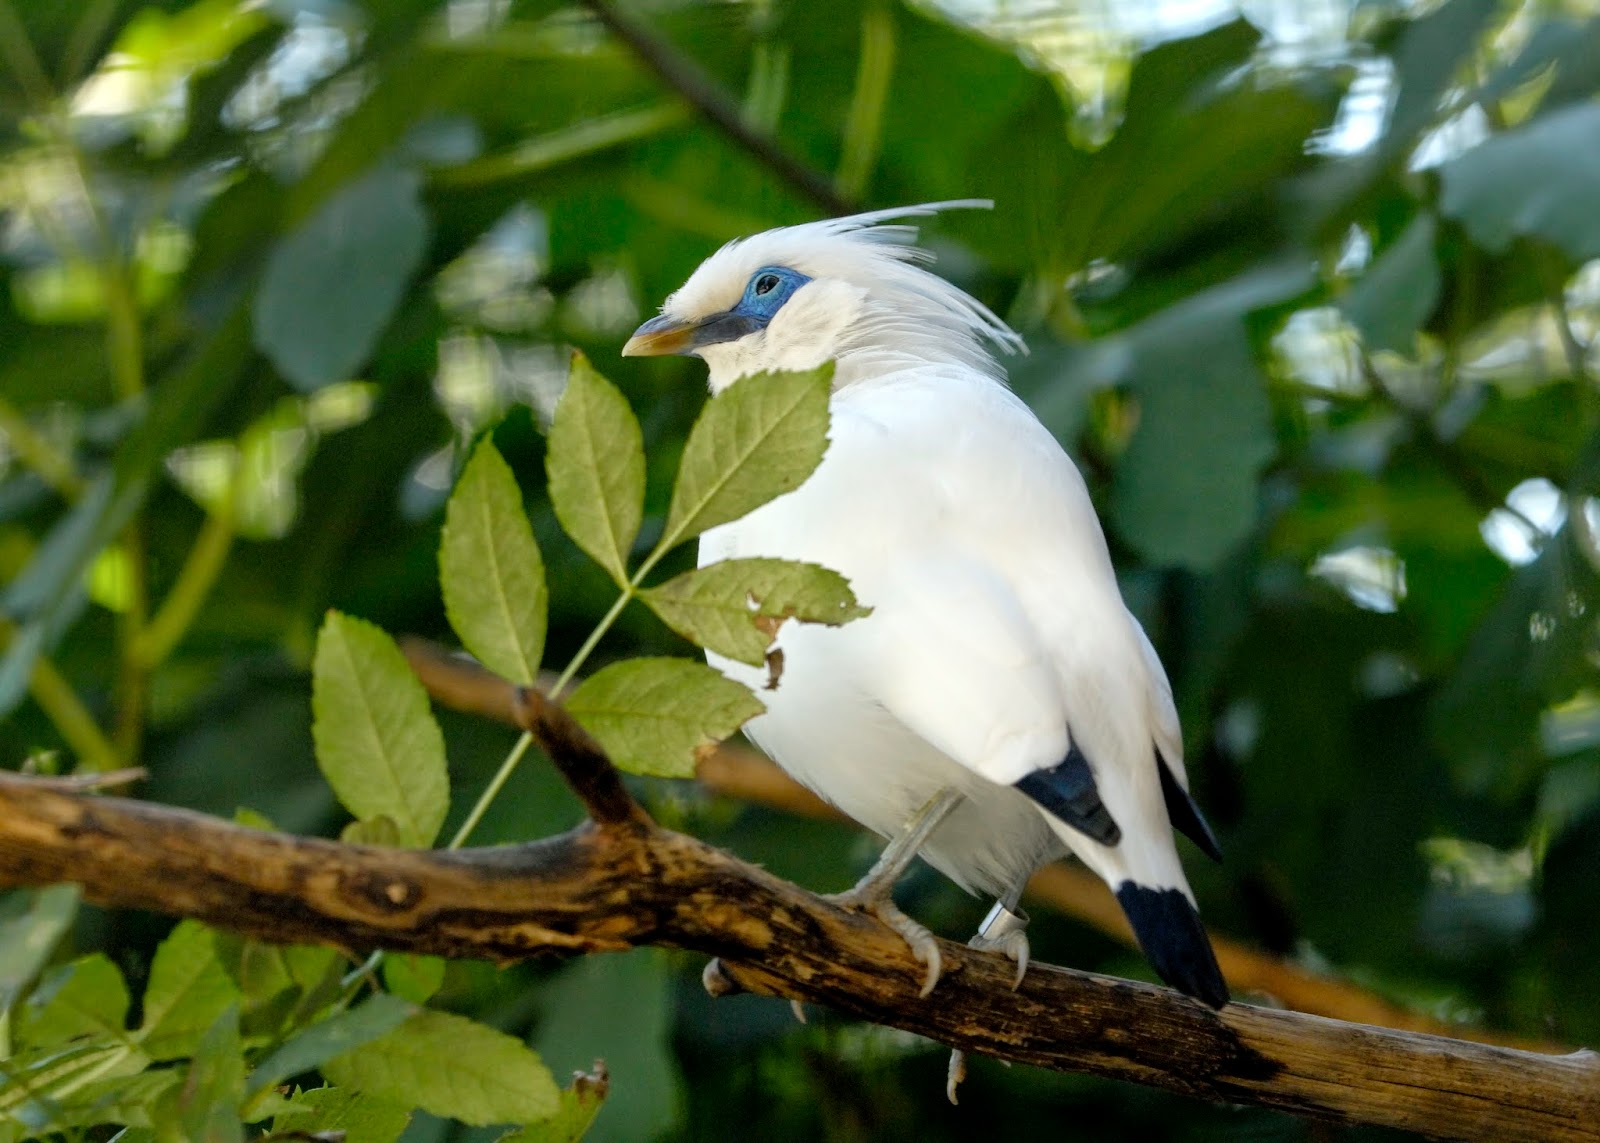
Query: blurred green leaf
{"x": 735, "y": 607}
{"x": 1186, "y": 488}
{"x": 331, "y": 286}
{"x": 85, "y": 998}
{"x": 757, "y": 439}
{"x": 1540, "y": 180}
{"x": 376, "y": 740}
{"x": 35, "y": 922}
{"x": 413, "y": 976}
{"x": 362, "y": 1118}
{"x": 1429, "y": 53}
{"x": 1393, "y": 299}
{"x": 580, "y": 1103}
{"x": 651, "y": 715}
{"x": 452, "y": 1066}
{"x": 37, "y": 1082}
{"x": 342, "y": 1032}
{"x": 208, "y": 1103}
{"x": 188, "y": 993}
{"x": 490, "y": 569}
{"x": 596, "y": 468}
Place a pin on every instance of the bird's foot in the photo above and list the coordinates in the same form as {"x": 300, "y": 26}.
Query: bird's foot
{"x": 957, "y": 1073}
{"x": 716, "y": 982}
{"x": 1005, "y": 931}
{"x": 924, "y": 945}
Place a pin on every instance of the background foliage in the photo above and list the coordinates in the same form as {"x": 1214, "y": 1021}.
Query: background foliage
{"x": 1310, "y": 301}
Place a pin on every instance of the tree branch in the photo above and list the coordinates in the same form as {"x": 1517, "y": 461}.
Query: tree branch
{"x": 682, "y": 75}
{"x": 461, "y": 684}
{"x": 602, "y": 888}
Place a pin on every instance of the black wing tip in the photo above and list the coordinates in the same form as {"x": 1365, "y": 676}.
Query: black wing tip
{"x": 1184, "y": 812}
{"x": 1174, "y": 941}
{"x": 1067, "y": 790}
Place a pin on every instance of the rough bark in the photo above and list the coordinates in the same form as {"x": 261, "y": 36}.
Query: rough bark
{"x": 626, "y": 882}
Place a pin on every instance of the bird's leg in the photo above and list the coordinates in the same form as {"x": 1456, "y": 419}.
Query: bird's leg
{"x": 1005, "y": 930}
{"x": 874, "y": 892}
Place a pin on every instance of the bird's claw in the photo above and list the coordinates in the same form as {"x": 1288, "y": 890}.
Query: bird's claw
{"x": 924, "y": 945}
{"x": 716, "y": 982}
{"x": 956, "y": 1073}
{"x": 1013, "y": 944}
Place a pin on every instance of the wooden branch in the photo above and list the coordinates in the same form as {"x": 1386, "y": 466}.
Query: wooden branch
{"x": 602, "y": 888}
{"x": 461, "y": 684}
{"x": 682, "y": 75}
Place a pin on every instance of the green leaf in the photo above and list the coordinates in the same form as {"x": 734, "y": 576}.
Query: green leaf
{"x": 360, "y": 1117}
{"x": 330, "y": 287}
{"x": 1393, "y": 299}
{"x": 580, "y": 1103}
{"x": 1541, "y": 180}
{"x": 208, "y": 1105}
{"x": 36, "y": 1082}
{"x": 129, "y": 1100}
{"x": 188, "y": 991}
{"x": 27, "y": 939}
{"x": 491, "y": 571}
{"x": 451, "y": 1066}
{"x": 412, "y": 976}
{"x": 86, "y": 997}
{"x": 760, "y": 437}
{"x": 651, "y": 715}
{"x": 596, "y": 468}
{"x": 736, "y": 606}
{"x": 378, "y": 1015}
{"x": 376, "y": 740}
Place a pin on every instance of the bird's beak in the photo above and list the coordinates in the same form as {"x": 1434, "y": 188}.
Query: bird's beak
{"x": 660, "y": 336}
{"x": 663, "y": 335}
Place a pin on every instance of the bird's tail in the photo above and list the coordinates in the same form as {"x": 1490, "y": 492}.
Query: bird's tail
{"x": 1174, "y": 941}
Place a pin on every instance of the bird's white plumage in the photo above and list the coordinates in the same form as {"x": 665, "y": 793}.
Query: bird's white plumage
{"x": 998, "y": 634}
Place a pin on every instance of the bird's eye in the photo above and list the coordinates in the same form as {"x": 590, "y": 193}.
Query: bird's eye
{"x": 766, "y": 284}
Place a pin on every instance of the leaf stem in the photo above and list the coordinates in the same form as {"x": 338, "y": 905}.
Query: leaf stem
{"x": 199, "y": 573}
{"x": 51, "y": 465}
{"x": 492, "y": 791}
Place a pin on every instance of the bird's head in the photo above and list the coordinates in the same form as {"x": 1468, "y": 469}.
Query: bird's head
{"x": 845, "y": 289}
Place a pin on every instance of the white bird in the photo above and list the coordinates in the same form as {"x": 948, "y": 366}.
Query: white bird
{"x": 1000, "y": 706}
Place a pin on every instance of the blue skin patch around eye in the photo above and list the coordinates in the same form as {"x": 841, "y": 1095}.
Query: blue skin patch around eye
{"x": 767, "y": 290}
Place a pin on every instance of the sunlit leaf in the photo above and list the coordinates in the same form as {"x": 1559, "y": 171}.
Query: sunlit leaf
{"x": 377, "y": 742}
{"x": 451, "y": 1066}
{"x": 580, "y": 1103}
{"x": 759, "y": 438}
{"x": 596, "y": 468}
{"x": 734, "y": 607}
{"x": 87, "y": 997}
{"x": 651, "y": 715}
{"x": 188, "y": 991}
{"x": 413, "y": 976}
{"x": 361, "y": 1118}
{"x": 490, "y": 569}
{"x": 331, "y": 286}
{"x": 1393, "y": 299}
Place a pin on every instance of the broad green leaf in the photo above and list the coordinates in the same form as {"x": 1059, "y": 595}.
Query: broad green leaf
{"x": 451, "y": 1066}
{"x": 757, "y": 439}
{"x": 362, "y": 1118}
{"x": 31, "y": 1083}
{"x": 651, "y": 715}
{"x": 596, "y": 468}
{"x": 330, "y": 287}
{"x": 188, "y": 990}
{"x": 381, "y": 830}
{"x": 28, "y": 936}
{"x": 376, "y": 1016}
{"x": 1540, "y": 180}
{"x": 580, "y": 1103}
{"x": 736, "y": 606}
{"x": 376, "y": 740}
{"x": 129, "y": 1100}
{"x": 1393, "y": 299}
{"x": 208, "y": 1105}
{"x": 84, "y": 998}
{"x": 412, "y": 976}
{"x": 491, "y": 571}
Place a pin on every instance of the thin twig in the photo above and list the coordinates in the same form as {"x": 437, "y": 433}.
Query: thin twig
{"x": 700, "y": 91}
{"x": 579, "y": 758}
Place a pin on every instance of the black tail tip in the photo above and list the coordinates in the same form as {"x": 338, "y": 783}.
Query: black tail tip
{"x": 1175, "y": 942}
